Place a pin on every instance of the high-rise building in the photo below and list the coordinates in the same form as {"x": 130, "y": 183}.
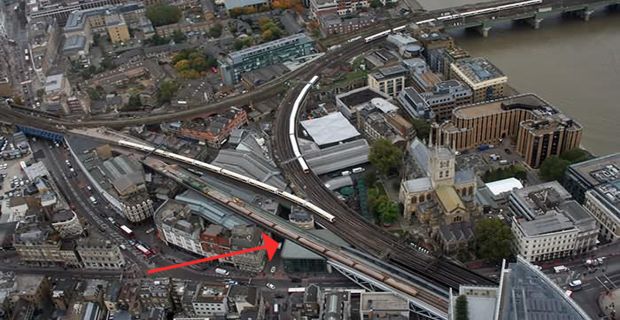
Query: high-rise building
{"x": 485, "y": 79}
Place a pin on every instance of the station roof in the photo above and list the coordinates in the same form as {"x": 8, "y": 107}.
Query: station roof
{"x": 329, "y": 129}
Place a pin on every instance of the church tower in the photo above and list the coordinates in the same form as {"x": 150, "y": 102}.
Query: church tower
{"x": 442, "y": 166}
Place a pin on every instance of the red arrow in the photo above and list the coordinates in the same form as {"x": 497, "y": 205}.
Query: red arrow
{"x": 270, "y": 245}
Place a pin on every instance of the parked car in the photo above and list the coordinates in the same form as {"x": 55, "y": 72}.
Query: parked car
{"x": 270, "y": 286}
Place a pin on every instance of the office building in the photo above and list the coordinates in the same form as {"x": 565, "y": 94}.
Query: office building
{"x": 548, "y": 224}
{"x": 285, "y": 49}
{"x": 348, "y": 103}
{"x": 383, "y": 305}
{"x": 486, "y": 80}
{"x": 215, "y": 130}
{"x": 539, "y": 129}
{"x": 583, "y": 176}
{"x": 44, "y": 41}
{"x": 437, "y": 104}
{"x": 117, "y": 28}
{"x": 604, "y": 203}
{"x": 389, "y": 80}
{"x": 61, "y": 11}
{"x": 100, "y": 254}
{"x": 67, "y": 224}
{"x": 243, "y": 237}
{"x": 334, "y": 24}
{"x": 380, "y": 120}
{"x": 210, "y": 301}
{"x": 448, "y": 57}
{"x": 177, "y": 226}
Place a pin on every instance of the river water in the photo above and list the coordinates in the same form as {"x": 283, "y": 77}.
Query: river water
{"x": 572, "y": 64}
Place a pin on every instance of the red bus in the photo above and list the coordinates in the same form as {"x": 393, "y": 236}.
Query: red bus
{"x": 126, "y": 231}
{"x": 146, "y": 252}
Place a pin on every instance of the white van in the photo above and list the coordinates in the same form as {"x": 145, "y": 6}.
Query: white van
{"x": 92, "y": 200}
{"x": 222, "y": 271}
{"x": 560, "y": 269}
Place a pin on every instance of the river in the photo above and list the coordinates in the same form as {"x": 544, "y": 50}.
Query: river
{"x": 574, "y": 65}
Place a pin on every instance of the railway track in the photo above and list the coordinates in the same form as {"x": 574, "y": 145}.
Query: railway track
{"x": 349, "y": 224}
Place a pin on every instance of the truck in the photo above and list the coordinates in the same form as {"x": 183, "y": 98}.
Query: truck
{"x": 222, "y": 271}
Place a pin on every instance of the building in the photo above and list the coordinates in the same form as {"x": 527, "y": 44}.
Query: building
{"x": 120, "y": 179}
{"x": 215, "y": 130}
{"x": 383, "y": 305}
{"x": 44, "y": 41}
{"x": 243, "y": 237}
{"x": 210, "y": 301}
{"x": 301, "y": 218}
{"x": 407, "y": 45}
{"x": 583, "y": 176}
{"x": 437, "y": 104}
{"x": 343, "y": 8}
{"x": 348, "y": 103}
{"x": 539, "y": 129}
{"x": 336, "y": 305}
{"x": 117, "y": 28}
{"x": 67, "y": 224}
{"x": 424, "y": 79}
{"x": 604, "y": 203}
{"x": 448, "y": 57}
{"x": 380, "y": 120}
{"x": 329, "y": 130}
{"x": 485, "y": 80}
{"x": 100, "y": 254}
{"x": 548, "y": 224}
{"x": 284, "y": 49}
{"x": 334, "y": 24}
{"x": 177, "y": 225}
{"x": 335, "y": 158}
{"x": 389, "y": 80}
{"x": 61, "y": 10}
{"x": 435, "y": 191}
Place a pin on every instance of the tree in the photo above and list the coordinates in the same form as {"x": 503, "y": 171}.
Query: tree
{"x": 553, "y": 168}
{"x": 376, "y": 4}
{"x": 461, "y": 312}
{"x": 40, "y": 93}
{"x": 182, "y": 65}
{"x": 134, "y": 103}
{"x": 387, "y": 210}
{"x": 575, "y": 155}
{"x": 385, "y": 156}
{"x": 504, "y": 173}
{"x": 422, "y": 128}
{"x": 157, "y": 40}
{"x": 216, "y": 31}
{"x": 178, "y": 36}
{"x": 163, "y": 14}
{"x": 93, "y": 93}
{"x": 493, "y": 240}
{"x": 167, "y": 89}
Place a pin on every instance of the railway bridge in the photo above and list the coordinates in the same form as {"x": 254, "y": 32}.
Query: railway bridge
{"x": 532, "y": 15}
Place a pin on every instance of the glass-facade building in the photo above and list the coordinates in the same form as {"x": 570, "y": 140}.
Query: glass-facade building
{"x": 263, "y": 55}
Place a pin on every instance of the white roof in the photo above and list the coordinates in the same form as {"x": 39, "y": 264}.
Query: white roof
{"x": 329, "y": 129}
{"x": 53, "y": 82}
{"x": 383, "y": 105}
{"x": 500, "y": 186}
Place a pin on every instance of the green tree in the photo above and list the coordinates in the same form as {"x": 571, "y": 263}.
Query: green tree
{"x": 178, "y": 36}
{"x": 553, "y": 168}
{"x": 575, "y": 155}
{"x": 134, "y": 103}
{"x": 93, "y": 93}
{"x": 422, "y": 128}
{"x": 493, "y": 240}
{"x": 216, "y": 31}
{"x": 157, "y": 40}
{"x": 504, "y": 173}
{"x": 167, "y": 89}
{"x": 387, "y": 210}
{"x": 376, "y": 4}
{"x": 163, "y": 14}
{"x": 40, "y": 93}
{"x": 385, "y": 156}
{"x": 461, "y": 312}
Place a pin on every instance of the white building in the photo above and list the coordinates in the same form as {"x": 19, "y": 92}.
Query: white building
{"x": 210, "y": 301}
{"x": 67, "y": 224}
{"x": 604, "y": 204}
{"x": 177, "y": 226}
{"x": 549, "y": 224}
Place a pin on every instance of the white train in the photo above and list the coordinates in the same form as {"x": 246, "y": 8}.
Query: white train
{"x": 292, "y": 124}
{"x": 233, "y": 175}
{"x": 448, "y": 16}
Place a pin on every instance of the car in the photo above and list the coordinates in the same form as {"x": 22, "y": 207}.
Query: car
{"x": 273, "y": 269}
{"x": 270, "y": 286}
{"x": 89, "y": 188}
{"x": 507, "y": 151}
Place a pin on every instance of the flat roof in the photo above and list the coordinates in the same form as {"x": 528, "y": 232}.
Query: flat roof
{"x": 500, "y": 186}
{"x": 329, "y": 129}
{"x": 598, "y": 170}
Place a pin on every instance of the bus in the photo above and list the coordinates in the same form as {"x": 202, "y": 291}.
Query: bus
{"x": 146, "y": 252}
{"x": 126, "y": 231}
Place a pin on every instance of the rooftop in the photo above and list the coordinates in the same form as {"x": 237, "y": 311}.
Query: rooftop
{"x": 477, "y": 71}
{"x": 329, "y": 129}
{"x": 500, "y": 186}
{"x": 598, "y": 170}
{"x": 359, "y": 96}
{"x": 337, "y": 157}
{"x": 389, "y": 72}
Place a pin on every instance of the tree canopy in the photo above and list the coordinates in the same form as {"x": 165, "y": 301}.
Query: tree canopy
{"x": 553, "y": 168}
{"x": 381, "y": 206}
{"x": 163, "y": 14}
{"x": 385, "y": 156}
{"x": 504, "y": 173}
{"x": 216, "y": 30}
{"x": 191, "y": 64}
{"x": 167, "y": 89}
{"x": 493, "y": 240}
{"x": 422, "y": 128}
{"x": 270, "y": 30}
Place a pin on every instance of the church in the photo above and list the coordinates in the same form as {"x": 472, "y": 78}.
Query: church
{"x": 436, "y": 193}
